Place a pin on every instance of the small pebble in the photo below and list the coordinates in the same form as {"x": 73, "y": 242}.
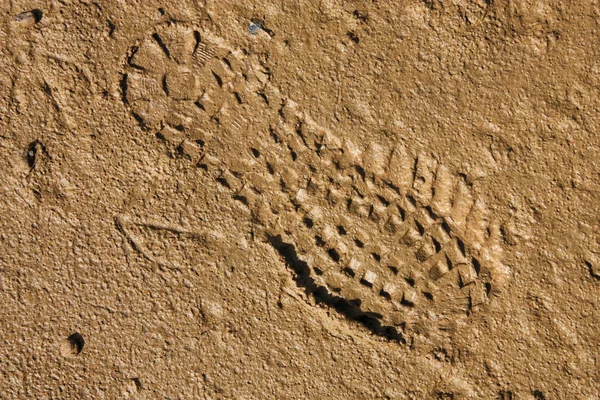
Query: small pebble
{"x": 254, "y": 27}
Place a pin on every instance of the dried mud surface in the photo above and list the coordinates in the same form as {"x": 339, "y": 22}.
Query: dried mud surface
{"x": 315, "y": 199}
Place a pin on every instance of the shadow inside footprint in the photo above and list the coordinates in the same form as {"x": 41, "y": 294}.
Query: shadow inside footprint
{"x": 350, "y": 309}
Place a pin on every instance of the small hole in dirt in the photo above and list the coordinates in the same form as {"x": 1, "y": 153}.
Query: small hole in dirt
{"x": 308, "y": 222}
{"x": 445, "y": 396}
{"x": 137, "y": 382}
{"x": 334, "y": 255}
{"x": 360, "y": 15}
{"x": 162, "y": 45}
{"x": 441, "y": 354}
{"x": 461, "y": 247}
{"x": 407, "y": 303}
{"x": 366, "y": 283}
{"x": 437, "y": 245}
{"x": 165, "y": 86}
{"x": 420, "y": 228}
{"x": 383, "y": 200}
{"x": 376, "y": 256}
{"x": 538, "y": 395}
{"x": 361, "y": 172}
{"x": 218, "y": 79}
{"x": 341, "y": 230}
{"x": 224, "y": 182}
{"x": 353, "y": 37}
{"x": 410, "y": 281}
{"x": 37, "y": 15}
{"x": 72, "y": 346}
{"x": 140, "y": 120}
{"x": 430, "y": 212}
{"x": 402, "y": 213}
{"x": 32, "y": 150}
{"x": 161, "y": 11}
{"x": 242, "y": 199}
{"x": 591, "y": 269}
{"x": 412, "y": 201}
{"x": 349, "y": 272}
{"x": 47, "y": 89}
{"x": 238, "y": 98}
{"x": 359, "y": 243}
{"x": 225, "y": 60}
{"x": 428, "y": 295}
{"x": 446, "y": 227}
{"x": 199, "y": 105}
{"x": 371, "y": 211}
{"x": 449, "y": 262}
{"x": 255, "y": 153}
{"x": 476, "y": 265}
{"x": 123, "y": 86}
{"x": 488, "y": 288}
{"x": 319, "y": 241}
{"x": 198, "y": 40}
{"x": 263, "y": 97}
{"x": 505, "y": 395}
{"x": 393, "y": 269}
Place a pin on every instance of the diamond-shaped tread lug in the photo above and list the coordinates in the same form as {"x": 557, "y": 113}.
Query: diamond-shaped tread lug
{"x": 179, "y": 42}
{"x": 438, "y": 270}
{"x": 149, "y": 56}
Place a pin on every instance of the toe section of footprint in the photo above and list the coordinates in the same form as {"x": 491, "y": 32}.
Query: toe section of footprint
{"x": 397, "y": 233}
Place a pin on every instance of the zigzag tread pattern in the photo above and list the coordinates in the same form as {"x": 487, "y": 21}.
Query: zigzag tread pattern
{"x": 393, "y": 233}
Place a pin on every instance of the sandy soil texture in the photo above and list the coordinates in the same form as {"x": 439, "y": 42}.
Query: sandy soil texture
{"x": 321, "y": 199}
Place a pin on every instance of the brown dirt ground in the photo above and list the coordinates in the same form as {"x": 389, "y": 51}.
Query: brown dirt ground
{"x": 134, "y": 266}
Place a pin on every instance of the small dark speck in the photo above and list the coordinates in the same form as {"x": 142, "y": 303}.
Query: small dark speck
{"x": 111, "y": 27}
{"x": 353, "y": 37}
{"x": 137, "y": 382}
{"x": 38, "y": 14}
{"x": 32, "y": 151}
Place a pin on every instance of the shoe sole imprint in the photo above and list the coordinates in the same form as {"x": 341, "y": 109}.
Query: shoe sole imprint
{"x": 391, "y": 239}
